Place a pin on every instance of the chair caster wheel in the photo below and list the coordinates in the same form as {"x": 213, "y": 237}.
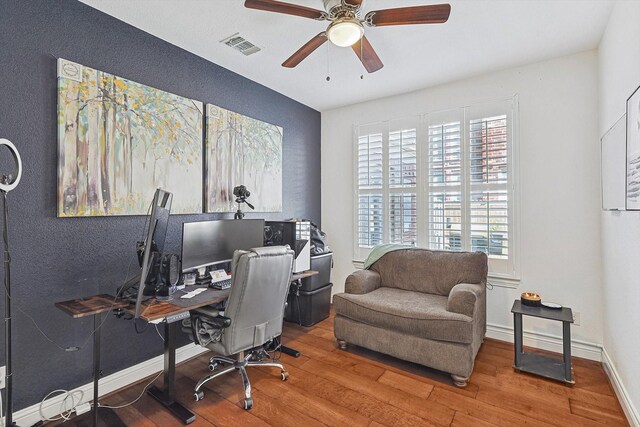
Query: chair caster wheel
{"x": 199, "y": 395}
{"x": 284, "y": 375}
{"x": 247, "y": 403}
{"x": 213, "y": 366}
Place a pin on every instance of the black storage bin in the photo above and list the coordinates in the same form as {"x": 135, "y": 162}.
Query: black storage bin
{"x": 321, "y": 264}
{"x": 308, "y": 308}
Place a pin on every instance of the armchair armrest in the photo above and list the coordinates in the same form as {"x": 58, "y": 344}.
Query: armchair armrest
{"x": 463, "y": 297}
{"x": 362, "y": 282}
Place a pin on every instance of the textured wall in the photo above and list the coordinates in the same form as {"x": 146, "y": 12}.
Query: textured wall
{"x": 58, "y": 259}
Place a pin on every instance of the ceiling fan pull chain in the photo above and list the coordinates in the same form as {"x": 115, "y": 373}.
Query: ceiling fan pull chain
{"x": 328, "y": 69}
{"x": 361, "y": 56}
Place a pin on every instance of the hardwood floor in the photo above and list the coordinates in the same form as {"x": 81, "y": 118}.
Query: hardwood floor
{"x": 357, "y": 387}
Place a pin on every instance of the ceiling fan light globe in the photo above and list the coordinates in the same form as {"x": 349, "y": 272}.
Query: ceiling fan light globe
{"x": 345, "y": 33}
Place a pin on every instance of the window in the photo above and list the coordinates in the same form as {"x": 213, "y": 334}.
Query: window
{"x": 444, "y": 181}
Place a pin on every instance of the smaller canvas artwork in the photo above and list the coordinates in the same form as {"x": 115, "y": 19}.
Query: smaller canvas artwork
{"x": 241, "y": 150}
{"x": 633, "y": 151}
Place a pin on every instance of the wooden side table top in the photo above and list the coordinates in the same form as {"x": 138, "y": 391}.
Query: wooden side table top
{"x": 89, "y": 306}
{"x": 563, "y": 314}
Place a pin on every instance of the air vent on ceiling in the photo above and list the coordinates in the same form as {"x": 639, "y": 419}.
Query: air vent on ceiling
{"x": 241, "y": 44}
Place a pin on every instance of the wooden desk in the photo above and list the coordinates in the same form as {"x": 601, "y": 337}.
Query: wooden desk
{"x": 154, "y": 311}
{"x": 95, "y": 306}
{"x": 296, "y": 277}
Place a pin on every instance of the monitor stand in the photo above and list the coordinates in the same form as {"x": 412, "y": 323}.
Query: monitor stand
{"x": 203, "y": 279}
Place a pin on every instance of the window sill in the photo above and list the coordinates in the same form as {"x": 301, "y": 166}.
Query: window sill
{"x": 495, "y": 280}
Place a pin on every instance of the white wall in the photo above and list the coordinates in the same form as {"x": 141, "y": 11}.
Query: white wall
{"x": 619, "y": 71}
{"x": 559, "y": 177}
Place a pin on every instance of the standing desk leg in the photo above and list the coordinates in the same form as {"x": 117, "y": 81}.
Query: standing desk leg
{"x": 166, "y": 396}
{"x": 109, "y": 417}
{"x": 96, "y": 366}
{"x": 566, "y": 351}
{"x": 517, "y": 337}
{"x": 283, "y": 348}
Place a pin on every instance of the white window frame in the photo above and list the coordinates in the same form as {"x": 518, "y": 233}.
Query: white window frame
{"x": 505, "y": 273}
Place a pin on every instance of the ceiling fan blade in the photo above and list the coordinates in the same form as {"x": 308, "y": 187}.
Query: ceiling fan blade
{"x": 367, "y": 55}
{"x": 305, "y": 50}
{"x": 432, "y": 14}
{"x": 286, "y": 8}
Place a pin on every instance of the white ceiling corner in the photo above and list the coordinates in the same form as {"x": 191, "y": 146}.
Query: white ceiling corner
{"x": 480, "y": 36}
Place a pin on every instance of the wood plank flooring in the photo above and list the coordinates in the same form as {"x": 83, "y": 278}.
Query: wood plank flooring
{"x": 357, "y": 387}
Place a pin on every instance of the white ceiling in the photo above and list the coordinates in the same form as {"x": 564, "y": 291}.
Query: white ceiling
{"x": 480, "y": 36}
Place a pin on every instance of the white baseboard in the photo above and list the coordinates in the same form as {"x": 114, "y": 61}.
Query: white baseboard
{"x": 625, "y": 401}
{"x": 548, "y": 342}
{"x": 31, "y": 415}
{"x": 579, "y": 348}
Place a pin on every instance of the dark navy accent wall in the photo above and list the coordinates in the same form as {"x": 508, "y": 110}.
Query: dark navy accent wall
{"x": 59, "y": 259}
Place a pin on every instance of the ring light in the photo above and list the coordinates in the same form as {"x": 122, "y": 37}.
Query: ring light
{"x": 8, "y": 186}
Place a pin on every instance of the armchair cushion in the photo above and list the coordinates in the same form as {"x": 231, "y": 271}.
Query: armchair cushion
{"x": 432, "y": 272}
{"x": 409, "y": 312}
{"x": 362, "y": 282}
{"x": 463, "y": 297}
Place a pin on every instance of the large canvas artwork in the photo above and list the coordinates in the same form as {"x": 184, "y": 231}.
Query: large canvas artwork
{"x": 633, "y": 151}
{"x": 242, "y": 150}
{"x": 119, "y": 140}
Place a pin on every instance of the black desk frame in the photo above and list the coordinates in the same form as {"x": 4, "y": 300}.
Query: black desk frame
{"x": 166, "y": 395}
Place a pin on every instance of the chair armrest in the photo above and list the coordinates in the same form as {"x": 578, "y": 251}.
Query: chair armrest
{"x": 463, "y": 297}
{"x": 212, "y": 317}
{"x": 362, "y": 282}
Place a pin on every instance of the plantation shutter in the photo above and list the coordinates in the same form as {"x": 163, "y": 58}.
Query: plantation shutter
{"x": 370, "y": 210}
{"x": 402, "y": 184}
{"x": 445, "y": 183}
{"x": 489, "y": 199}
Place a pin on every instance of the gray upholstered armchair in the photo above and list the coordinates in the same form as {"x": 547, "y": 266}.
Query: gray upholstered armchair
{"x": 428, "y": 307}
{"x": 252, "y": 317}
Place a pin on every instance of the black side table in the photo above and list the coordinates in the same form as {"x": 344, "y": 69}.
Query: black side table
{"x": 537, "y": 364}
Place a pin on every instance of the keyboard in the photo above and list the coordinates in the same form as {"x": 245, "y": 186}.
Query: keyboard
{"x": 222, "y": 284}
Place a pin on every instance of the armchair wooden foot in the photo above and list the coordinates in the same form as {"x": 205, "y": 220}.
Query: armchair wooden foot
{"x": 459, "y": 381}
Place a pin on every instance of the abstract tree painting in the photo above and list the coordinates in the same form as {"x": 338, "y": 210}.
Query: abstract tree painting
{"x": 633, "y": 151}
{"x": 119, "y": 140}
{"x": 242, "y": 150}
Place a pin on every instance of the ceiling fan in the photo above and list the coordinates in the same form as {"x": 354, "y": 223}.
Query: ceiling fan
{"x": 347, "y": 26}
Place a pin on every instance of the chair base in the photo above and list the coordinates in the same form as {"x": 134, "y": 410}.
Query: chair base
{"x": 240, "y": 364}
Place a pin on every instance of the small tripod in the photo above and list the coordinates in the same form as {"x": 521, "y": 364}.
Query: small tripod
{"x": 241, "y": 194}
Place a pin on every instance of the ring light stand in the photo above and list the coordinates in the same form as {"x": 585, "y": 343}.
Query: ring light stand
{"x": 8, "y": 183}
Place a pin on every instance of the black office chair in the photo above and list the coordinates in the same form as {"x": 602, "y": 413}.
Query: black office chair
{"x": 252, "y": 318}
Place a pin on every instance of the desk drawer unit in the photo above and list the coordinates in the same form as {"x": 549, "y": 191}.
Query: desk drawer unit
{"x": 309, "y": 308}
{"x": 322, "y": 264}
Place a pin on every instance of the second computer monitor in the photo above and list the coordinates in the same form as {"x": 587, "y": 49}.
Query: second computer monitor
{"x": 207, "y": 243}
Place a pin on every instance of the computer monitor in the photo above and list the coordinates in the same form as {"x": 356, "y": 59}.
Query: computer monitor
{"x": 207, "y": 243}
{"x": 153, "y": 245}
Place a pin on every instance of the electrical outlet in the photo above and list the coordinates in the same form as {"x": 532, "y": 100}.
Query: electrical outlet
{"x": 3, "y": 372}
{"x": 576, "y": 318}
{"x": 83, "y": 408}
